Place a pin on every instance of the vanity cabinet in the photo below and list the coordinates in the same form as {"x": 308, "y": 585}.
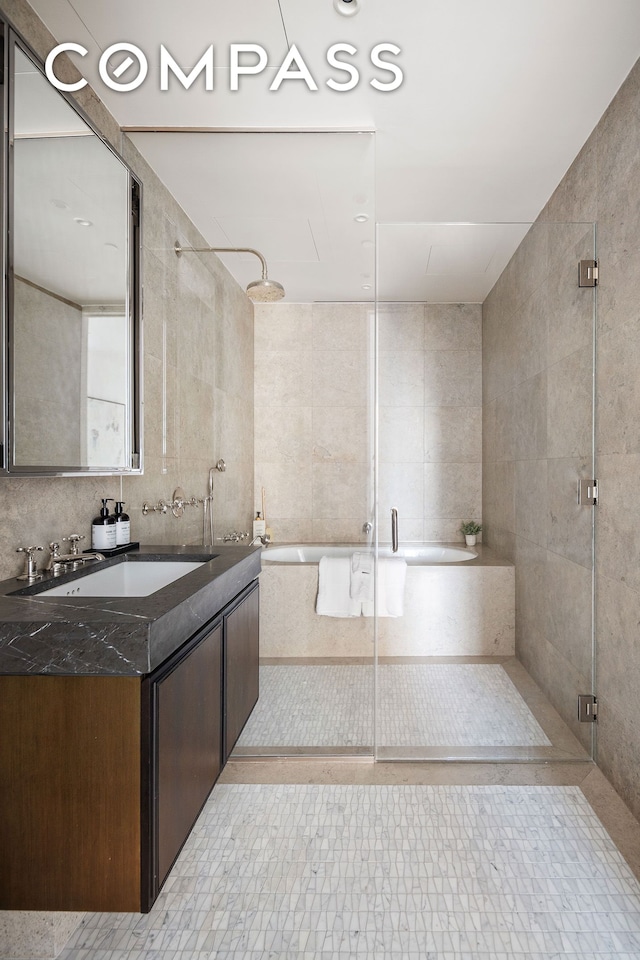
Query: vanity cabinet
{"x": 186, "y": 737}
{"x": 241, "y": 655}
{"x": 103, "y": 777}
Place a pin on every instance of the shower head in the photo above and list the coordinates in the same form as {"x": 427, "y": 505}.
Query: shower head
{"x": 260, "y": 291}
{"x": 265, "y": 291}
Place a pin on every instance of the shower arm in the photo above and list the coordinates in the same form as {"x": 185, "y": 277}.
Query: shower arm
{"x": 180, "y": 250}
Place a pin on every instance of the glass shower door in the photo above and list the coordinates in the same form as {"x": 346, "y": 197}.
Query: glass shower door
{"x": 313, "y": 437}
{"x": 485, "y": 372}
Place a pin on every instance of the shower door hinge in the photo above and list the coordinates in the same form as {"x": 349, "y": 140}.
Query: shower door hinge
{"x": 587, "y": 273}
{"x": 587, "y": 708}
{"x": 587, "y": 493}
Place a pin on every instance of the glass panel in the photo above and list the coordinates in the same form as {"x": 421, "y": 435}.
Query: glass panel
{"x": 313, "y": 422}
{"x": 485, "y": 416}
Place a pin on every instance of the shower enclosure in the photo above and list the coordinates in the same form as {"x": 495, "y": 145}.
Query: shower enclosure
{"x": 449, "y": 378}
{"x": 485, "y": 411}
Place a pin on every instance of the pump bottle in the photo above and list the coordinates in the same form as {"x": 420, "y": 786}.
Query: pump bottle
{"x": 103, "y": 528}
{"x": 123, "y": 525}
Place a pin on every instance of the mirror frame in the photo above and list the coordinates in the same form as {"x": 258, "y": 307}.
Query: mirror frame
{"x": 9, "y": 41}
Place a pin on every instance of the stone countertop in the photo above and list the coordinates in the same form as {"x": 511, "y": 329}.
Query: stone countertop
{"x": 118, "y": 636}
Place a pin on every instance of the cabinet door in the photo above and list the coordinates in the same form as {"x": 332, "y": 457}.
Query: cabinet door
{"x": 188, "y": 705}
{"x": 241, "y": 660}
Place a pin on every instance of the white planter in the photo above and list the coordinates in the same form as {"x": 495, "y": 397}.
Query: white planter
{"x": 470, "y": 539}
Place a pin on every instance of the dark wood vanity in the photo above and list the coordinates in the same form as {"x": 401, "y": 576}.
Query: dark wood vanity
{"x": 103, "y": 776}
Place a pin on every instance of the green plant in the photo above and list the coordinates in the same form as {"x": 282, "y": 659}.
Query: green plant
{"x": 470, "y": 528}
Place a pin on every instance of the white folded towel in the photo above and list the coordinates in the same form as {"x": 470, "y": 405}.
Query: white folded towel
{"x": 392, "y": 574}
{"x": 334, "y": 580}
{"x": 361, "y": 587}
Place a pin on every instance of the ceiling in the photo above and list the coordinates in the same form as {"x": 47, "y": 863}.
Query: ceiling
{"x": 496, "y": 101}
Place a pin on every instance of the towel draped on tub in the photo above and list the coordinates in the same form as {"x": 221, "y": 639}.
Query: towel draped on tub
{"x": 345, "y": 586}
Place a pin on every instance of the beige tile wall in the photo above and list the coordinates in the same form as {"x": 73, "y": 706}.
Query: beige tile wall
{"x": 537, "y": 392}
{"x": 430, "y": 416}
{"x": 313, "y": 393}
{"x": 312, "y": 426}
{"x": 529, "y": 473}
{"x": 198, "y": 382}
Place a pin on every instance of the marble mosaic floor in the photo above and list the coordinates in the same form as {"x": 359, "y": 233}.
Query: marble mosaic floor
{"x": 432, "y": 704}
{"x": 386, "y": 872}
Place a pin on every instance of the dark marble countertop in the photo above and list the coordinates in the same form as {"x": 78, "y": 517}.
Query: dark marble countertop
{"x": 119, "y": 636}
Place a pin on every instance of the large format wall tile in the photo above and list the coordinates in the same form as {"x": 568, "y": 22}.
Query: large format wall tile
{"x": 453, "y": 326}
{"x": 402, "y": 434}
{"x": 553, "y": 624}
{"x": 402, "y": 379}
{"x": 529, "y": 418}
{"x": 618, "y": 520}
{"x": 400, "y": 327}
{"x": 321, "y": 368}
{"x": 453, "y": 490}
{"x": 530, "y": 500}
{"x": 569, "y": 525}
{"x": 453, "y": 378}
{"x": 618, "y": 388}
{"x": 570, "y": 405}
{"x": 453, "y": 433}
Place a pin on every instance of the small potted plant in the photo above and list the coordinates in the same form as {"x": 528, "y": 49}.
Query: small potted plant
{"x": 470, "y": 529}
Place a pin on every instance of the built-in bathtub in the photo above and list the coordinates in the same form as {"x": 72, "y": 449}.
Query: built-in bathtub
{"x": 414, "y": 554}
{"x": 458, "y": 602}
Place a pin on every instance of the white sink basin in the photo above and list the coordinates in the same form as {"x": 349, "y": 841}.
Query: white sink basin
{"x": 127, "y": 579}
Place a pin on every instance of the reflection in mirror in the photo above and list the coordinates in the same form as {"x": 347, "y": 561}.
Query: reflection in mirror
{"x": 71, "y": 327}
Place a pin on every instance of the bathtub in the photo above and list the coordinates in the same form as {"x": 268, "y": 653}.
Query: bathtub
{"x": 414, "y": 554}
{"x": 458, "y": 602}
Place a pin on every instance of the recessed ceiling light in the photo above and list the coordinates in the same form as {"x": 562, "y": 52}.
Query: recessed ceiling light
{"x": 366, "y": 286}
{"x": 348, "y": 8}
{"x": 60, "y": 204}
{"x": 361, "y": 218}
{"x": 82, "y": 223}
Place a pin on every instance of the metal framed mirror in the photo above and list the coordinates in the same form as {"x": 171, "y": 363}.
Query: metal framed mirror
{"x": 71, "y": 366}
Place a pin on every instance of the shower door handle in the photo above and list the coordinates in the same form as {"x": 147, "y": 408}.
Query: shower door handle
{"x": 394, "y": 530}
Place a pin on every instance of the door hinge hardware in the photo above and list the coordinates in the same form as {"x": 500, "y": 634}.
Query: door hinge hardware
{"x": 587, "y": 708}
{"x": 587, "y": 273}
{"x": 587, "y": 493}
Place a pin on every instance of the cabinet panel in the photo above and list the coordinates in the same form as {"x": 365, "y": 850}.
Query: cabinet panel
{"x": 188, "y": 743}
{"x": 241, "y": 653}
{"x": 70, "y": 793}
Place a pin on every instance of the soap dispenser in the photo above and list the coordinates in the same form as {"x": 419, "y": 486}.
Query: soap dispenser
{"x": 103, "y": 528}
{"x": 123, "y": 525}
{"x": 259, "y": 526}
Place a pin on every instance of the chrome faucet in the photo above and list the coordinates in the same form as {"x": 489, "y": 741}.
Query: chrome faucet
{"x": 264, "y": 539}
{"x": 59, "y": 560}
{"x": 234, "y": 537}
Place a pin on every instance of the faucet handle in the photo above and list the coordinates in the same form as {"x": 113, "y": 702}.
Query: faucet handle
{"x": 30, "y": 568}
{"x": 74, "y": 539}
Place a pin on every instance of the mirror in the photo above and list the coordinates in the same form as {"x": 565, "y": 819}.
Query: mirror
{"x": 73, "y": 364}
